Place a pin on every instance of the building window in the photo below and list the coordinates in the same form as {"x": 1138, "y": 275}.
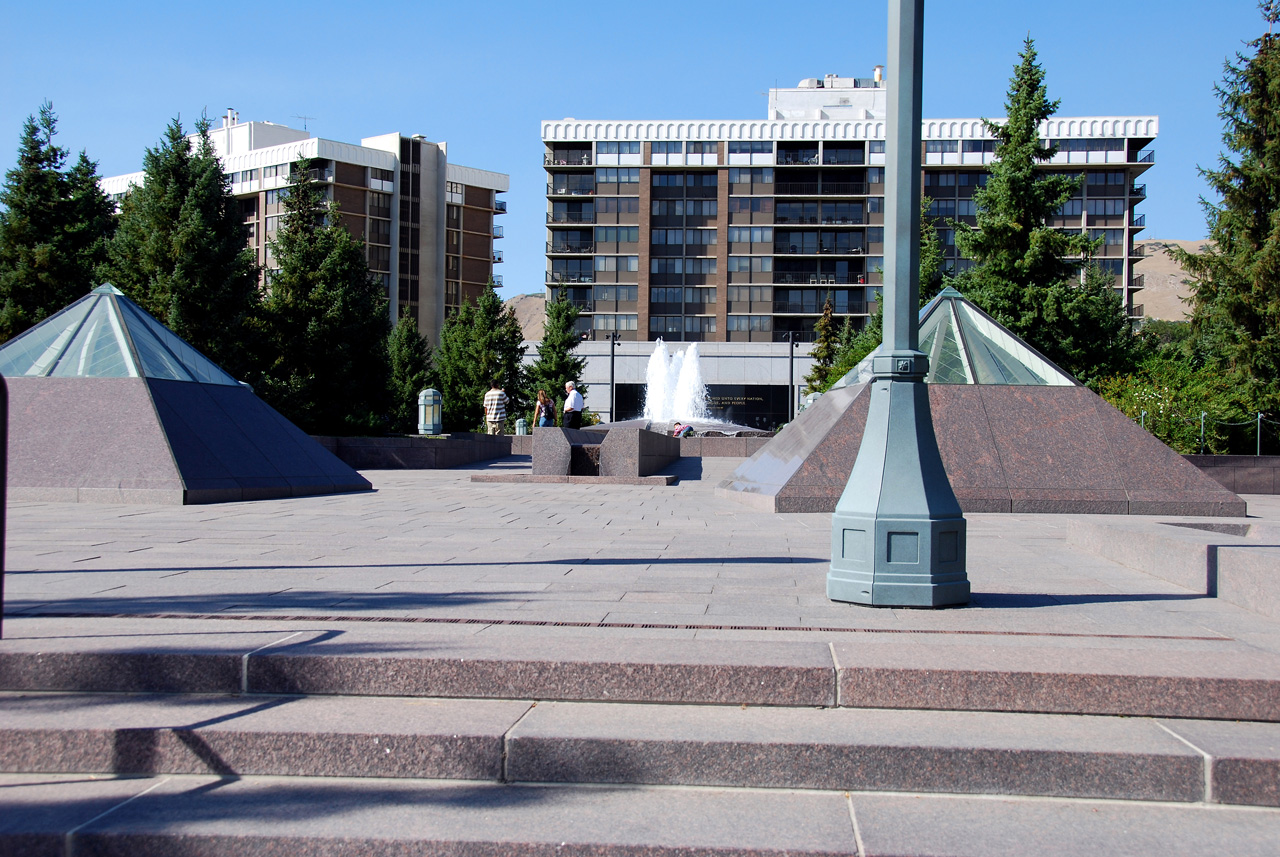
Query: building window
{"x": 667, "y": 148}
{"x": 668, "y": 208}
{"x": 973, "y": 146}
{"x": 943, "y": 208}
{"x": 667, "y": 236}
{"x": 940, "y": 179}
{"x": 756, "y": 147}
{"x": 701, "y": 207}
{"x": 617, "y": 263}
{"x": 666, "y": 324}
{"x": 704, "y": 148}
{"x": 754, "y": 264}
{"x": 621, "y": 148}
{"x": 613, "y": 175}
{"x": 1107, "y": 236}
{"x": 754, "y": 323}
{"x": 751, "y": 175}
{"x": 1106, "y": 177}
{"x": 615, "y": 322}
{"x": 750, "y": 234}
{"x": 876, "y": 147}
{"x": 617, "y": 234}
{"x": 1105, "y": 207}
{"x": 942, "y": 146}
{"x": 618, "y": 205}
{"x": 277, "y": 196}
{"x": 699, "y": 296}
{"x": 875, "y": 175}
{"x": 966, "y": 208}
{"x": 699, "y": 324}
{"x": 754, "y": 204}
{"x": 700, "y": 237}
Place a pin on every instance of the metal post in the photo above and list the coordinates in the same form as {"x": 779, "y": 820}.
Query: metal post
{"x": 1259, "y": 435}
{"x": 898, "y": 534}
{"x": 4, "y": 482}
{"x": 1202, "y": 416}
{"x": 791, "y": 382}
{"x": 1144, "y": 419}
{"x": 613, "y": 395}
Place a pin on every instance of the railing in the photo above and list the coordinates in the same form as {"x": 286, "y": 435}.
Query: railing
{"x": 500, "y": 206}
{"x": 1139, "y": 220}
{"x": 1138, "y": 250}
{"x": 834, "y": 159}
{"x": 787, "y": 159}
{"x": 553, "y": 217}
{"x": 552, "y": 190}
{"x": 844, "y": 188}
{"x": 1138, "y": 190}
{"x": 1145, "y": 157}
{"x": 566, "y": 159}
{"x": 796, "y": 189}
{"x": 571, "y": 247}
{"x": 497, "y": 256}
{"x": 820, "y": 279}
{"x": 801, "y": 219}
{"x": 1137, "y": 311}
{"x": 497, "y": 232}
{"x": 801, "y": 250}
{"x": 570, "y": 278}
{"x": 497, "y": 279}
{"x": 1136, "y": 282}
{"x": 842, "y": 221}
{"x": 820, "y": 189}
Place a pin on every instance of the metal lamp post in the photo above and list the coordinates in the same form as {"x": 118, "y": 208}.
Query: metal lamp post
{"x": 898, "y": 535}
{"x": 613, "y": 395}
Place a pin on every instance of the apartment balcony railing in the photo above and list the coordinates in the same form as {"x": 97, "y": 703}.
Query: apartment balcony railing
{"x": 1136, "y": 282}
{"x": 1139, "y": 220}
{"x": 570, "y": 217}
{"x": 1137, "y": 311}
{"x": 566, "y": 159}
{"x": 1138, "y": 250}
{"x": 1138, "y": 190}
{"x": 1147, "y": 156}
{"x": 787, "y": 159}
{"x": 497, "y": 256}
{"x": 823, "y": 250}
{"x": 500, "y": 206}
{"x": 571, "y": 247}
{"x": 805, "y": 308}
{"x": 497, "y": 232}
{"x": 819, "y": 279}
{"x": 558, "y": 190}
{"x": 497, "y": 279}
{"x": 820, "y": 188}
{"x": 553, "y": 277}
{"x": 800, "y": 219}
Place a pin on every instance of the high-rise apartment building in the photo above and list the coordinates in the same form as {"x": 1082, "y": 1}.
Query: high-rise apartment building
{"x": 740, "y": 230}
{"x": 428, "y": 225}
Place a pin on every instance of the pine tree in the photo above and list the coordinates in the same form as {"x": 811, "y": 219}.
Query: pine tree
{"x": 1235, "y": 281}
{"x": 325, "y": 320}
{"x": 1017, "y": 255}
{"x": 479, "y": 343}
{"x": 410, "y": 358}
{"x": 823, "y": 353}
{"x": 932, "y": 256}
{"x": 52, "y": 228}
{"x": 180, "y": 250}
{"x": 1085, "y": 329}
{"x": 556, "y": 362}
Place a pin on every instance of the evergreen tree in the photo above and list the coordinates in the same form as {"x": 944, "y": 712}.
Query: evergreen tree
{"x": 325, "y": 320}
{"x": 1085, "y": 329}
{"x": 1235, "y": 281}
{"x": 1017, "y": 255}
{"x": 823, "y": 353}
{"x": 180, "y": 250}
{"x": 480, "y": 342}
{"x": 932, "y": 256}
{"x": 556, "y": 362}
{"x": 52, "y": 228}
{"x": 410, "y": 373}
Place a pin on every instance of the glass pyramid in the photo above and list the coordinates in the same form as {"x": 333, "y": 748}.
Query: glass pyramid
{"x": 106, "y": 335}
{"x": 967, "y": 346}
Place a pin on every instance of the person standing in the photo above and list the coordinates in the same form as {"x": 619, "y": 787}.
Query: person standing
{"x": 495, "y": 408}
{"x": 544, "y": 415}
{"x": 573, "y": 405}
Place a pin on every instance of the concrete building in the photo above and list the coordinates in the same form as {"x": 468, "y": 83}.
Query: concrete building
{"x": 738, "y": 230}
{"x": 428, "y": 225}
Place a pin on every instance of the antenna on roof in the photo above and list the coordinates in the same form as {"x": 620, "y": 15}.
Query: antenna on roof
{"x": 304, "y": 119}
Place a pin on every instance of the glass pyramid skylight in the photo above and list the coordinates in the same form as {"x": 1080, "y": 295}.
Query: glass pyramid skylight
{"x": 967, "y": 346}
{"x": 106, "y": 335}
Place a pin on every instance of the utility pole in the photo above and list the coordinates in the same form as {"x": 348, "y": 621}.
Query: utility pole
{"x": 898, "y": 535}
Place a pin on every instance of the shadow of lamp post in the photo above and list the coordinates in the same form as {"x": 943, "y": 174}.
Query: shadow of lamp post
{"x": 898, "y": 535}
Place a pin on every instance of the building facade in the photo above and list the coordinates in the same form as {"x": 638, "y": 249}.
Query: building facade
{"x": 428, "y": 225}
{"x": 739, "y": 231}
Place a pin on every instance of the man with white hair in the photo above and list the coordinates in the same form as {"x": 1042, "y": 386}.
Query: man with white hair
{"x": 572, "y": 406}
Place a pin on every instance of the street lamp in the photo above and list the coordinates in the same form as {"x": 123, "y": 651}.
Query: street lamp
{"x": 792, "y": 345}
{"x": 613, "y": 395}
{"x": 898, "y": 535}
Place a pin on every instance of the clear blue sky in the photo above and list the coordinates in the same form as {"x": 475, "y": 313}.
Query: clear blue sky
{"x": 481, "y": 75}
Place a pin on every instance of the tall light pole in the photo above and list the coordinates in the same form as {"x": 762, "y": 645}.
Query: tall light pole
{"x": 613, "y": 395}
{"x": 898, "y": 535}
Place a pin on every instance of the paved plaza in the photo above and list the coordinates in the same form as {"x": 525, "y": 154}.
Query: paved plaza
{"x": 565, "y": 629}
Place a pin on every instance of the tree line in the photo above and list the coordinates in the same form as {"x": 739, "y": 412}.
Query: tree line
{"x": 311, "y": 334}
{"x": 1044, "y": 284}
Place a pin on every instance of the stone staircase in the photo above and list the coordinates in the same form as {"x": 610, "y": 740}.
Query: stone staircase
{"x": 297, "y": 741}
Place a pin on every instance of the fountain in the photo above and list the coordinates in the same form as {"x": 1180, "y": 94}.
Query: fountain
{"x": 673, "y": 386}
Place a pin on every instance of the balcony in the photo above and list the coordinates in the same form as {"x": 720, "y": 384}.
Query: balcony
{"x": 820, "y": 279}
{"x": 807, "y": 158}
{"x": 497, "y": 232}
{"x": 1145, "y": 157}
{"x": 570, "y": 217}
{"x": 1138, "y": 190}
{"x": 500, "y": 206}
{"x": 1137, "y": 311}
{"x": 1136, "y": 282}
{"x": 571, "y": 247}
{"x": 497, "y": 256}
{"x": 553, "y": 277}
{"x": 820, "y": 189}
{"x": 1139, "y": 221}
{"x": 497, "y": 280}
{"x": 555, "y": 190}
{"x": 566, "y": 159}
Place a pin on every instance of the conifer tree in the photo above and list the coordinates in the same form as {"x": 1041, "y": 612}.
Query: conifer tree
{"x": 52, "y": 228}
{"x": 180, "y": 250}
{"x": 556, "y": 362}
{"x": 479, "y": 343}
{"x": 410, "y": 358}
{"x": 1235, "y": 281}
{"x": 932, "y": 256}
{"x": 326, "y": 322}
{"x": 823, "y": 353}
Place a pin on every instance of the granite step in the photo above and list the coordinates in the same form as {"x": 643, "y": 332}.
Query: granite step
{"x": 197, "y": 816}
{"x": 630, "y": 744}
{"x": 1192, "y": 677}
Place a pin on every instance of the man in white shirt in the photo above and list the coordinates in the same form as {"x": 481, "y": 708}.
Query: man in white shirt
{"x": 495, "y": 408}
{"x": 573, "y": 405}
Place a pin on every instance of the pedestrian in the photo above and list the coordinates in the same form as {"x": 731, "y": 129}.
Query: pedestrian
{"x": 544, "y": 415}
{"x": 572, "y": 406}
{"x": 495, "y": 408}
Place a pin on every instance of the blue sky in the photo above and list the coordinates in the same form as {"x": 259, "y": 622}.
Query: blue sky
{"x": 481, "y": 75}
